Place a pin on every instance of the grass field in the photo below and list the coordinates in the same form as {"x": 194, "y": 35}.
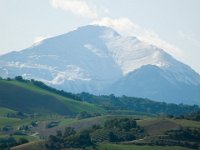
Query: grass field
{"x": 73, "y": 105}
{"x": 102, "y": 146}
{"x": 187, "y": 123}
{"x": 5, "y": 111}
{"x": 39, "y": 145}
{"x": 156, "y": 126}
{"x": 9, "y": 121}
{"x": 17, "y": 137}
{"x": 31, "y": 99}
{"x": 28, "y": 137}
{"x": 68, "y": 122}
{"x": 134, "y": 147}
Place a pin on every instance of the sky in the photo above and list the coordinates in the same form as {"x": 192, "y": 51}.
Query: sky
{"x": 173, "y": 25}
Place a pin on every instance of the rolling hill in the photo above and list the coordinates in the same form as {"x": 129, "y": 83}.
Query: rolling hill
{"x": 28, "y": 98}
{"x": 57, "y": 110}
{"x": 31, "y": 96}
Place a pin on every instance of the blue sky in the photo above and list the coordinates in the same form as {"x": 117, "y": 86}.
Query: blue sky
{"x": 173, "y": 25}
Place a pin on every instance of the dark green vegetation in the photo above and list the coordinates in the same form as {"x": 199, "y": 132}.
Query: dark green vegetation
{"x": 69, "y": 139}
{"x": 117, "y": 130}
{"x": 113, "y": 130}
{"x": 131, "y": 105}
{"x": 193, "y": 116}
{"x": 46, "y": 118}
{"x": 6, "y": 143}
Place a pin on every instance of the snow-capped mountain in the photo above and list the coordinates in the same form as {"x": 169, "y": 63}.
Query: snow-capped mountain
{"x": 98, "y": 60}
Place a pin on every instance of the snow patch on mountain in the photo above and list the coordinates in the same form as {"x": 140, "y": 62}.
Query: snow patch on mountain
{"x": 130, "y": 53}
{"x": 71, "y": 73}
{"x": 95, "y": 50}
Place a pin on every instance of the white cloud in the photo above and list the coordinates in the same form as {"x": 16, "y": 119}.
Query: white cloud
{"x": 126, "y": 27}
{"x": 122, "y": 25}
{"x": 78, "y": 7}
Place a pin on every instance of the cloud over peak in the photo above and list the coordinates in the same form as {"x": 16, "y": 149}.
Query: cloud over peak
{"x": 77, "y": 7}
{"x": 128, "y": 28}
{"x": 122, "y": 25}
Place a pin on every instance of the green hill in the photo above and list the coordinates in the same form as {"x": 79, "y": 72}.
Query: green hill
{"x": 102, "y": 146}
{"x": 5, "y": 111}
{"x": 29, "y": 98}
{"x": 158, "y": 125}
{"x": 32, "y": 96}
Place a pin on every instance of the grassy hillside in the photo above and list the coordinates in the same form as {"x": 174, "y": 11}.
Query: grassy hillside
{"x": 31, "y": 146}
{"x": 31, "y": 111}
{"x": 5, "y": 111}
{"x": 156, "y": 126}
{"x": 153, "y": 126}
{"x": 109, "y": 146}
{"x": 34, "y": 96}
{"x": 28, "y": 98}
{"x": 103, "y": 146}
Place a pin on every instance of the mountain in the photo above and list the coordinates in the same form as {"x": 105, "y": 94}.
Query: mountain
{"x": 75, "y": 61}
{"x": 98, "y": 60}
{"x": 155, "y": 83}
{"x": 29, "y": 98}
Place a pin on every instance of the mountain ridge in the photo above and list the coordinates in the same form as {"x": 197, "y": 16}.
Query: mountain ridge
{"x": 94, "y": 58}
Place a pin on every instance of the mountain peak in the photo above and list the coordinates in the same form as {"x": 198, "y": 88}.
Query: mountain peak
{"x": 93, "y": 58}
{"x": 94, "y": 27}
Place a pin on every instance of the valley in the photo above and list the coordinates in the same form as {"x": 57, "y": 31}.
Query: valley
{"x": 24, "y": 123}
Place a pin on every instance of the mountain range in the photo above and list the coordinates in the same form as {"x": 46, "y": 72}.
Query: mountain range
{"x": 98, "y": 60}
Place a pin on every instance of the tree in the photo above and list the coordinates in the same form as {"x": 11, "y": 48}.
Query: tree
{"x": 84, "y": 139}
{"x": 53, "y": 143}
{"x": 69, "y": 131}
{"x": 22, "y": 141}
{"x": 59, "y": 133}
{"x": 112, "y": 137}
{"x": 121, "y": 124}
{"x": 19, "y": 78}
{"x": 83, "y": 115}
